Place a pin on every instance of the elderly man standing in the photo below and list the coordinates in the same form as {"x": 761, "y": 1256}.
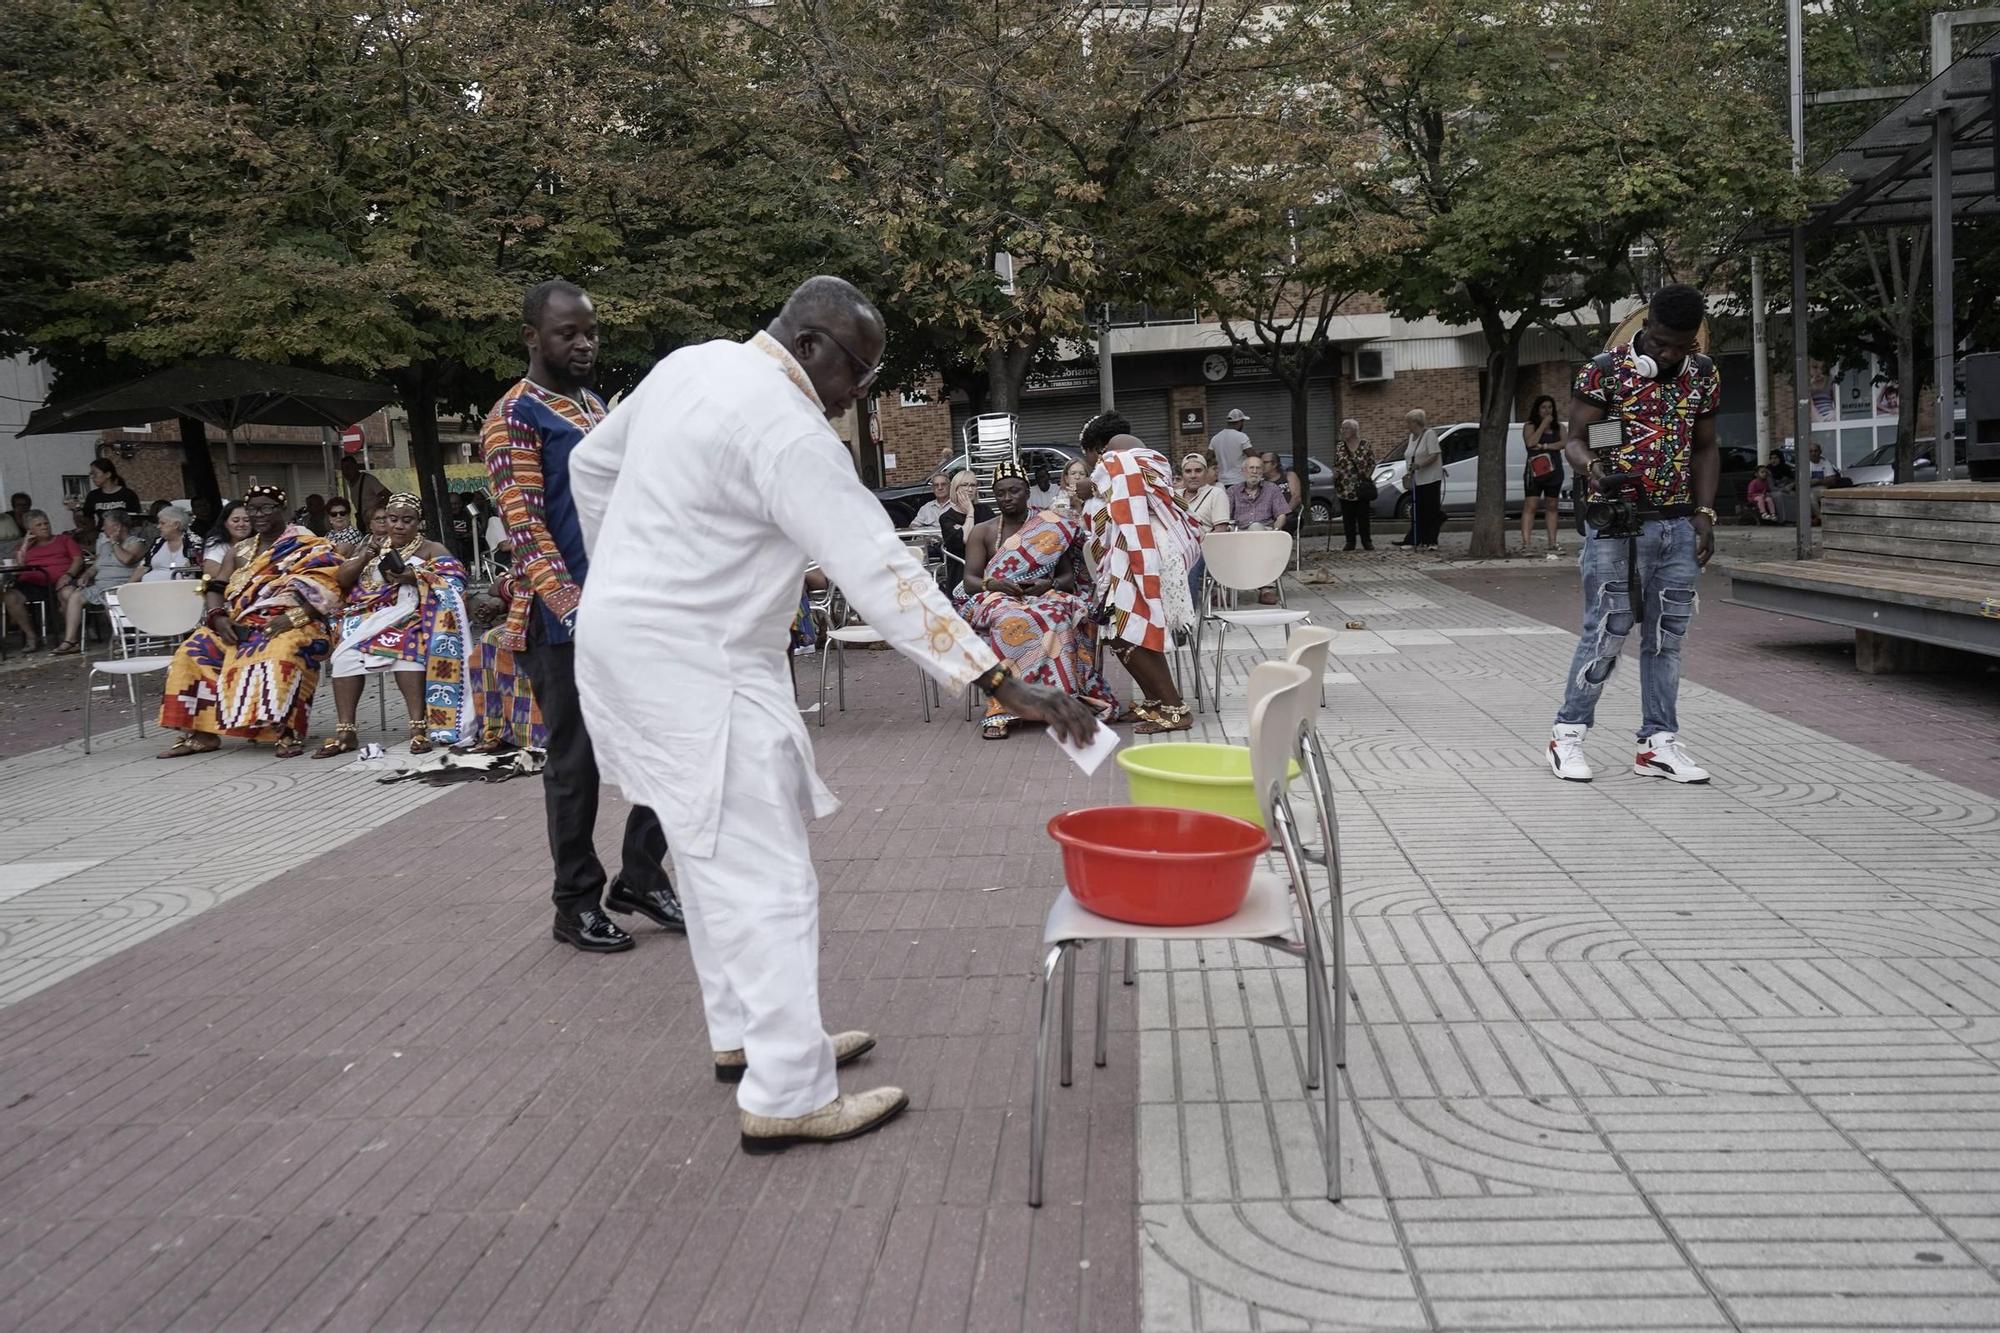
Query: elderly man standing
{"x": 529, "y": 440}
{"x": 681, "y": 667}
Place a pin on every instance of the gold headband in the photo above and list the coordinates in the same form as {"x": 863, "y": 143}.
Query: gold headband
{"x": 404, "y": 500}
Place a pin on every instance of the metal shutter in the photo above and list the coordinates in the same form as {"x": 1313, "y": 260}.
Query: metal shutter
{"x": 1270, "y": 407}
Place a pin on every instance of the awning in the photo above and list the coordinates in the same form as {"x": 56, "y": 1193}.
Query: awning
{"x": 1888, "y": 168}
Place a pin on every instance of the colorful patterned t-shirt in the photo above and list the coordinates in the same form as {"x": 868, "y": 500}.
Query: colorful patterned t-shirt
{"x": 1659, "y": 417}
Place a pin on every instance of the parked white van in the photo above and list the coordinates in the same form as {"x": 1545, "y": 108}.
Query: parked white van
{"x": 1460, "y": 444}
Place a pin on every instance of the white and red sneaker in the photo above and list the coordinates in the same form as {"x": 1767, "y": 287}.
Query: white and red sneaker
{"x": 1566, "y": 752}
{"x": 1662, "y": 757}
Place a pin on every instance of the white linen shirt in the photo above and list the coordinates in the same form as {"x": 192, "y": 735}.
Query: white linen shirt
{"x": 701, "y": 497}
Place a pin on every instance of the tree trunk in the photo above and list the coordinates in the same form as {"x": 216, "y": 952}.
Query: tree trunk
{"x": 1906, "y": 394}
{"x": 198, "y": 465}
{"x": 1001, "y": 394}
{"x": 1496, "y": 415}
{"x": 419, "y": 388}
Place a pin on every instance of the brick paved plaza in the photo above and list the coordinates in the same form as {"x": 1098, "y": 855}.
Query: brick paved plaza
{"x": 282, "y": 1048}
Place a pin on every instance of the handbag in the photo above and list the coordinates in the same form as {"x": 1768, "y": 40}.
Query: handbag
{"x": 1365, "y": 490}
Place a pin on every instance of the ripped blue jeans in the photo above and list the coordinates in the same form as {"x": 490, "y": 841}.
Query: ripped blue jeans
{"x": 1668, "y": 575}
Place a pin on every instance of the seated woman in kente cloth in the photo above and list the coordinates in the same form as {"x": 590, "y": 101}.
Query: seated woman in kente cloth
{"x": 502, "y": 698}
{"x": 1020, "y": 595}
{"x": 405, "y": 614}
{"x": 252, "y": 668}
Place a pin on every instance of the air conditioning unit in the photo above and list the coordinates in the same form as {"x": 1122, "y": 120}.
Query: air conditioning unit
{"x": 1372, "y": 365}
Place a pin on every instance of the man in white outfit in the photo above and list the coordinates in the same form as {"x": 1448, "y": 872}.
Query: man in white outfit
{"x": 701, "y": 497}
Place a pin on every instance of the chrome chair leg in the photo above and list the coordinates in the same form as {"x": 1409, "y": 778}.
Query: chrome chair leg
{"x": 825, "y": 651}
{"x": 1104, "y": 948}
{"x": 840, "y": 670}
{"x": 1068, "y": 1011}
{"x": 1038, "y": 1114}
{"x": 88, "y": 690}
{"x": 1131, "y": 961}
{"x": 924, "y": 691}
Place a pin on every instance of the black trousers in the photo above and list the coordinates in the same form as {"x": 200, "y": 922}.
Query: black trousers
{"x": 1354, "y": 520}
{"x": 1428, "y": 510}
{"x": 569, "y": 789}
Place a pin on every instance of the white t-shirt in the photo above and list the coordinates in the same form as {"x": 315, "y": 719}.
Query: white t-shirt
{"x": 1228, "y": 446}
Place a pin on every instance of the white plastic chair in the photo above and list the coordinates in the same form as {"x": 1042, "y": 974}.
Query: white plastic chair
{"x": 837, "y": 637}
{"x": 164, "y": 611}
{"x": 1243, "y": 562}
{"x": 1309, "y": 646}
{"x": 1266, "y": 918}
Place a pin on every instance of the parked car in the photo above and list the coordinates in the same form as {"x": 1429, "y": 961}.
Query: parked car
{"x": 1878, "y": 467}
{"x": 1460, "y": 443}
{"x": 905, "y": 500}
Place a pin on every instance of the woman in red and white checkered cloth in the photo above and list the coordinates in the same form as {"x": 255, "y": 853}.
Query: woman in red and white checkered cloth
{"x": 1142, "y": 542}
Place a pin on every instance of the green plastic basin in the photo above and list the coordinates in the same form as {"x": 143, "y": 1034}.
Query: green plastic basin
{"x": 1196, "y": 776}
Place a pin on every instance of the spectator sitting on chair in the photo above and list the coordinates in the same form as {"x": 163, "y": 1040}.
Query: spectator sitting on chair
{"x": 53, "y": 561}
{"x": 1256, "y": 505}
{"x": 346, "y": 538}
{"x": 964, "y": 511}
{"x": 175, "y": 553}
{"x": 1822, "y": 476}
{"x": 1042, "y": 495}
{"x": 1275, "y": 468}
{"x": 405, "y": 614}
{"x": 1075, "y": 476}
{"x": 119, "y": 551}
{"x": 933, "y": 508}
{"x": 1760, "y": 497}
{"x": 232, "y": 527}
{"x": 19, "y": 507}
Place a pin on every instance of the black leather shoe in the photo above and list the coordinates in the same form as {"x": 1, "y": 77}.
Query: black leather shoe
{"x": 592, "y": 932}
{"x": 659, "y": 906}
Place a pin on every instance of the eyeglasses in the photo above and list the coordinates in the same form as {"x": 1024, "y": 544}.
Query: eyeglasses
{"x": 868, "y": 372}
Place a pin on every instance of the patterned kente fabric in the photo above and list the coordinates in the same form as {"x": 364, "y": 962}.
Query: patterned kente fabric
{"x": 1659, "y": 417}
{"x": 502, "y": 696}
{"x": 432, "y": 634}
{"x": 1050, "y": 639}
{"x": 526, "y": 442}
{"x": 264, "y": 683}
{"x": 1142, "y": 541}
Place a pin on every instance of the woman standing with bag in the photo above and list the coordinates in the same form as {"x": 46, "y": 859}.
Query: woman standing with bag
{"x": 1542, "y": 478}
{"x": 1426, "y": 477}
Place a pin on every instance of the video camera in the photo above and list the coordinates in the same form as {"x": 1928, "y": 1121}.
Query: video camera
{"x": 1613, "y": 508}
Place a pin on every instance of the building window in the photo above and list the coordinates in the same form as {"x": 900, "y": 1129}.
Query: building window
{"x": 74, "y": 487}
{"x": 915, "y": 398}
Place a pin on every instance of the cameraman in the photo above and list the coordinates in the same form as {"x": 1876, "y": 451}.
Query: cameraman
{"x": 1665, "y": 467}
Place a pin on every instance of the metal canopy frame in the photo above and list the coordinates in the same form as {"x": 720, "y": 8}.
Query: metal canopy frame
{"x": 1893, "y": 164}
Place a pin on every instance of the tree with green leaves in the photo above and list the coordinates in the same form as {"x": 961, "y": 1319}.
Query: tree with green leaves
{"x": 1529, "y": 149}
{"x": 368, "y": 189}
{"x": 1047, "y": 133}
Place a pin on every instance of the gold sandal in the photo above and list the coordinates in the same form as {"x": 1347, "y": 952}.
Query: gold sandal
{"x": 186, "y": 746}
{"x": 1165, "y": 717}
{"x": 346, "y": 739}
{"x": 419, "y": 743}
{"x": 289, "y": 746}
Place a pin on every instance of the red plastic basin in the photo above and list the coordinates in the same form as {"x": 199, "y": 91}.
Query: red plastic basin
{"x": 1155, "y": 866}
